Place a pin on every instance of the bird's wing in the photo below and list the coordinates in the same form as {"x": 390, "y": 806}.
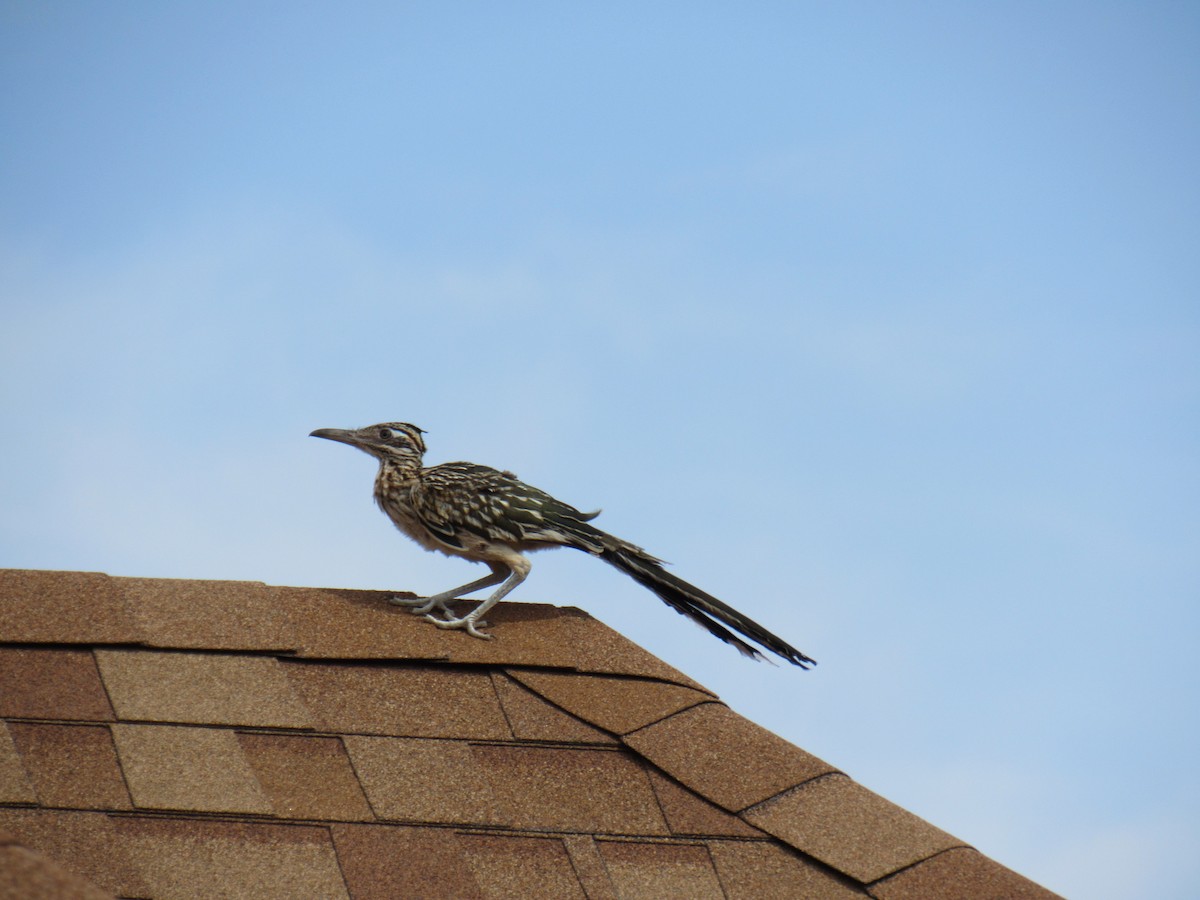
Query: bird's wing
{"x": 497, "y": 506}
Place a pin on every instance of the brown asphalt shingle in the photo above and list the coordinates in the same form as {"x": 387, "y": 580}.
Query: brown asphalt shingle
{"x": 71, "y": 765}
{"x": 846, "y": 826}
{"x": 958, "y": 874}
{"x": 533, "y": 719}
{"x": 39, "y": 683}
{"x": 169, "y": 738}
{"x": 687, "y": 813}
{"x": 15, "y": 784}
{"x": 202, "y": 688}
{"x": 306, "y": 776}
{"x": 568, "y": 789}
{"x": 619, "y": 705}
{"x": 508, "y": 867}
{"x": 643, "y": 871}
{"x": 63, "y": 608}
{"x": 433, "y": 862}
{"x": 589, "y": 867}
{"x": 208, "y": 615}
{"x": 24, "y": 873}
{"x": 421, "y": 780}
{"x": 195, "y": 858}
{"x": 767, "y": 871}
{"x": 726, "y": 758}
{"x": 85, "y": 843}
{"x": 410, "y": 701}
{"x": 176, "y": 767}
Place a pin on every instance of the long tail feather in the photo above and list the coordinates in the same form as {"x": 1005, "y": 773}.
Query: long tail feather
{"x": 702, "y": 608}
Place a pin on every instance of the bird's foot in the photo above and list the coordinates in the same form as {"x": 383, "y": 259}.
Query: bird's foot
{"x": 422, "y": 606}
{"x": 467, "y": 623}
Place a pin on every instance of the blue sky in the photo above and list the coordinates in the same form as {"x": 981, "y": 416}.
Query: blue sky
{"x": 879, "y": 321}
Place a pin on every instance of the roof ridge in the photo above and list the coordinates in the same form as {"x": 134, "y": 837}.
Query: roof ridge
{"x": 40, "y": 608}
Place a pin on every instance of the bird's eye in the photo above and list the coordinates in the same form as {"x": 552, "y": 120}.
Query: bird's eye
{"x": 385, "y": 434}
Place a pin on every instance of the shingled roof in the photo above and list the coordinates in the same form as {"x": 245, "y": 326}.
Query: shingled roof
{"x": 171, "y": 738}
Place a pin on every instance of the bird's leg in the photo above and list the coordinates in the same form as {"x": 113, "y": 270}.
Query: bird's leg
{"x": 421, "y": 606}
{"x": 470, "y": 623}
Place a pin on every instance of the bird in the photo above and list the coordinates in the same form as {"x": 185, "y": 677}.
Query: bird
{"x": 490, "y": 516}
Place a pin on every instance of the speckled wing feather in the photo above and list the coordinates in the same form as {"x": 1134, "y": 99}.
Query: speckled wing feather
{"x": 459, "y": 497}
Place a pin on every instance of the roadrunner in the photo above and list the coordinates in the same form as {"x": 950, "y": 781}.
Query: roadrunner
{"x": 489, "y": 516}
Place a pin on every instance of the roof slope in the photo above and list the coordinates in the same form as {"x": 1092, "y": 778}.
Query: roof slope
{"x": 170, "y": 738}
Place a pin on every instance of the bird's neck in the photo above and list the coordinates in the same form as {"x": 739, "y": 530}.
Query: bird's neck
{"x": 397, "y": 472}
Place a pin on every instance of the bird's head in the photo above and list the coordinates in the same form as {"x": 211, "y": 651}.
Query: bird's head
{"x": 394, "y": 441}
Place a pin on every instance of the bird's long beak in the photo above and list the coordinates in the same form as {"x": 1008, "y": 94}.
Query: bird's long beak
{"x": 336, "y": 434}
